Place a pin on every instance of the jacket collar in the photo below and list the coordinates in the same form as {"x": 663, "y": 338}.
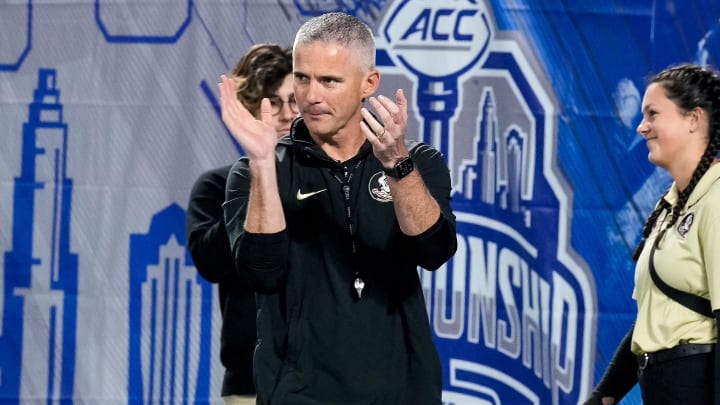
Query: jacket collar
{"x": 304, "y": 145}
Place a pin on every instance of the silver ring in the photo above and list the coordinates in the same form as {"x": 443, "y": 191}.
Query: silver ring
{"x": 381, "y": 134}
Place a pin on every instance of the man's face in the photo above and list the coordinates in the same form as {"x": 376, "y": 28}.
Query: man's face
{"x": 330, "y": 85}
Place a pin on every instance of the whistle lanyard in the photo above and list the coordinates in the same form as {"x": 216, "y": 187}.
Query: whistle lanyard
{"x": 358, "y": 282}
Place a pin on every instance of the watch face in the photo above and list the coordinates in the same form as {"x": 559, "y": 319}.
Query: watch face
{"x": 404, "y": 167}
{"x": 401, "y": 169}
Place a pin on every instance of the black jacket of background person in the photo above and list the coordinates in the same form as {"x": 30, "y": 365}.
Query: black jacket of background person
{"x": 210, "y": 251}
{"x": 317, "y": 343}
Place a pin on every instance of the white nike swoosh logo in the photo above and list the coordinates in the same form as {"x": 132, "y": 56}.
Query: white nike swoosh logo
{"x": 301, "y": 196}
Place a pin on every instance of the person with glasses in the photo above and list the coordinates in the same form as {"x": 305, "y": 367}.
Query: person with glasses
{"x": 263, "y": 72}
{"x": 277, "y": 105}
{"x": 266, "y": 72}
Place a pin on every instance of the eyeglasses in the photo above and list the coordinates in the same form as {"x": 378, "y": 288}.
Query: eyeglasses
{"x": 277, "y": 103}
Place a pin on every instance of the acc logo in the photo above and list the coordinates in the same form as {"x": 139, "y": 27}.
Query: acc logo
{"x": 422, "y": 30}
{"x": 512, "y": 310}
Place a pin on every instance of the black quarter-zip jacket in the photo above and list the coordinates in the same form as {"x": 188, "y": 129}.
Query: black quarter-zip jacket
{"x": 317, "y": 342}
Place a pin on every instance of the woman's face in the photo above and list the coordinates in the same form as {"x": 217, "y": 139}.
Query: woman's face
{"x": 283, "y": 101}
{"x": 669, "y": 132}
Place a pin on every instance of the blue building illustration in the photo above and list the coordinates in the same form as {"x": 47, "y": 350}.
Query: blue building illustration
{"x": 170, "y": 317}
{"x": 498, "y": 174}
{"x": 41, "y": 274}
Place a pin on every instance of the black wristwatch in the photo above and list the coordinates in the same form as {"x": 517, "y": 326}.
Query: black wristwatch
{"x": 402, "y": 168}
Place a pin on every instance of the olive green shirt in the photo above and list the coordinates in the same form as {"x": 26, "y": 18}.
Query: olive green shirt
{"x": 688, "y": 259}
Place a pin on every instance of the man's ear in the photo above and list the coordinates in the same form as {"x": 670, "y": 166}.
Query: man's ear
{"x": 371, "y": 83}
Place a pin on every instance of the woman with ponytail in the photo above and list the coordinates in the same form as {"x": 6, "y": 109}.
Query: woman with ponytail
{"x": 671, "y": 348}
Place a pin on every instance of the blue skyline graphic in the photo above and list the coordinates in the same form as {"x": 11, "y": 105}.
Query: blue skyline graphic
{"x": 170, "y": 317}
{"x": 41, "y": 274}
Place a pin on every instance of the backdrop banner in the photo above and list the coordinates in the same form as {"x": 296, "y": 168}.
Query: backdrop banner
{"x": 109, "y": 112}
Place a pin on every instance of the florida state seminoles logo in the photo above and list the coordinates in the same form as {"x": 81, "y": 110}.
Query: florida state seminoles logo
{"x": 378, "y": 188}
{"x": 686, "y": 223}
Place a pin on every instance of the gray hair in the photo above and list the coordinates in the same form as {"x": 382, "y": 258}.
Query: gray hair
{"x": 342, "y": 29}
